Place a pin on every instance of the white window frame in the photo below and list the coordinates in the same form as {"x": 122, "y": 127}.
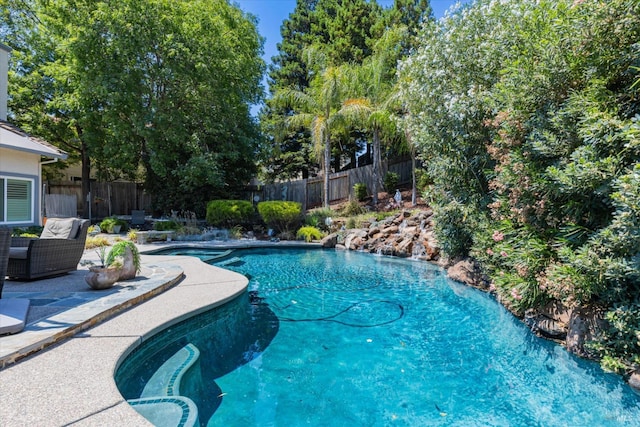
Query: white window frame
{"x": 32, "y": 207}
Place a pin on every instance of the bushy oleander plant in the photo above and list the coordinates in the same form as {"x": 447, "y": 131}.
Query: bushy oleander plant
{"x": 531, "y": 136}
{"x": 228, "y": 213}
{"x": 282, "y": 216}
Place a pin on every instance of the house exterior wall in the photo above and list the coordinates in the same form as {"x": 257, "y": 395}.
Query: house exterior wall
{"x": 17, "y": 164}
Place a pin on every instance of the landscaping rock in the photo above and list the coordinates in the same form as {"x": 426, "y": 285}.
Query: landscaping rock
{"x": 584, "y": 325}
{"x": 634, "y": 380}
{"x": 550, "y": 321}
{"x": 330, "y": 241}
{"x": 545, "y": 326}
{"x": 407, "y": 234}
{"x": 468, "y": 271}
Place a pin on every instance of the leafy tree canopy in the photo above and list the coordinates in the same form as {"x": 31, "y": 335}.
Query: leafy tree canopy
{"x": 162, "y": 84}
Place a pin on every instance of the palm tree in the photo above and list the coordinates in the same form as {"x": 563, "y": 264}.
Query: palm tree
{"x": 315, "y": 109}
{"x": 376, "y": 106}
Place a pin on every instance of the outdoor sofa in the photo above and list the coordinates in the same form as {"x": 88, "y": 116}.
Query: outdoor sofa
{"x": 57, "y": 251}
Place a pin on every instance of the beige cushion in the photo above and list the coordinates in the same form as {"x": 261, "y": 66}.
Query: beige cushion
{"x": 60, "y": 228}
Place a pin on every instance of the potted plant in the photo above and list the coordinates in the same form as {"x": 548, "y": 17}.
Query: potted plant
{"x": 121, "y": 263}
{"x": 113, "y": 225}
{"x": 126, "y": 252}
{"x": 104, "y": 276}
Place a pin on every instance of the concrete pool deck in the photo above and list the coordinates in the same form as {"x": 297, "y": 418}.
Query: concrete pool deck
{"x": 76, "y": 337}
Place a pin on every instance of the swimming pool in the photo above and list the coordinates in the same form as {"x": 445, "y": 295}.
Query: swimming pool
{"x": 343, "y": 338}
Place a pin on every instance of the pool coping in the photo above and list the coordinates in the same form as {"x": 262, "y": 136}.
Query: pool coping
{"x": 72, "y": 381}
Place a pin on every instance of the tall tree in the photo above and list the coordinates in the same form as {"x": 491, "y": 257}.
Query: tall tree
{"x": 376, "y": 103}
{"x": 161, "y": 102}
{"x": 288, "y": 155}
{"x": 343, "y": 31}
{"x": 344, "y": 27}
{"x": 315, "y": 109}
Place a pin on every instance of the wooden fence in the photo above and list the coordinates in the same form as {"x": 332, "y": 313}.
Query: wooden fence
{"x": 107, "y": 198}
{"x": 309, "y": 191}
{"x": 120, "y": 198}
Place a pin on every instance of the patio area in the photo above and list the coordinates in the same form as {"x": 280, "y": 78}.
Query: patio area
{"x": 59, "y": 369}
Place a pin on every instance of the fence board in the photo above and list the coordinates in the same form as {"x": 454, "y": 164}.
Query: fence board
{"x": 60, "y": 205}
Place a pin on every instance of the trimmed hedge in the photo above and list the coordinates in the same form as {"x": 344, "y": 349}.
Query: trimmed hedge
{"x": 229, "y": 212}
{"x": 284, "y": 217}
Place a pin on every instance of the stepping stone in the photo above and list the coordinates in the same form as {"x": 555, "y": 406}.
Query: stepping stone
{"x": 13, "y": 315}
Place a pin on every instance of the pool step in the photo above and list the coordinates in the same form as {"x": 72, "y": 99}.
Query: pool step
{"x": 160, "y": 401}
{"x": 231, "y": 262}
{"x": 175, "y": 411}
{"x": 166, "y": 380}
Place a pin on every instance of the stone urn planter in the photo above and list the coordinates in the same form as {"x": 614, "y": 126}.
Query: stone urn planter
{"x": 102, "y": 277}
{"x": 129, "y": 268}
{"x": 128, "y": 256}
{"x": 121, "y": 263}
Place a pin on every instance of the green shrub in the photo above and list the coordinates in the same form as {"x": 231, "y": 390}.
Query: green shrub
{"x": 391, "y": 180}
{"x": 229, "y": 212}
{"x": 166, "y": 225}
{"x": 352, "y": 208}
{"x": 453, "y": 229}
{"x": 423, "y": 180}
{"x": 318, "y": 218}
{"x": 235, "y": 232}
{"x": 360, "y": 190}
{"x": 618, "y": 344}
{"x": 107, "y": 224}
{"x": 31, "y": 231}
{"x": 309, "y": 233}
{"x": 280, "y": 215}
{"x": 351, "y": 223}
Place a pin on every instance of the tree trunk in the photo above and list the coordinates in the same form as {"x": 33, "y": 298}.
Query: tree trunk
{"x": 414, "y": 190}
{"x": 327, "y": 168}
{"x": 377, "y": 160}
{"x": 86, "y": 180}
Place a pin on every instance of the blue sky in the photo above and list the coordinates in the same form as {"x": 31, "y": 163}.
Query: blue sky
{"x": 271, "y": 13}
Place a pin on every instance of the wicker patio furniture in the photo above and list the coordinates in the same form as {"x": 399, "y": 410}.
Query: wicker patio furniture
{"x": 5, "y": 242}
{"x": 57, "y": 251}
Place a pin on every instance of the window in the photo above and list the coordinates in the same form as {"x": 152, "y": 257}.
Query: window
{"x": 16, "y": 200}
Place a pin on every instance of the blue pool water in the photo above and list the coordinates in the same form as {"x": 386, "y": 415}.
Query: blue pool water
{"x": 326, "y": 338}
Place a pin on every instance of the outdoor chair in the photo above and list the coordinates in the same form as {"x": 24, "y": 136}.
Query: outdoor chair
{"x": 57, "y": 251}
{"x": 5, "y": 242}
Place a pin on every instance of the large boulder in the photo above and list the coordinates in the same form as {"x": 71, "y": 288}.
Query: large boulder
{"x": 330, "y": 241}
